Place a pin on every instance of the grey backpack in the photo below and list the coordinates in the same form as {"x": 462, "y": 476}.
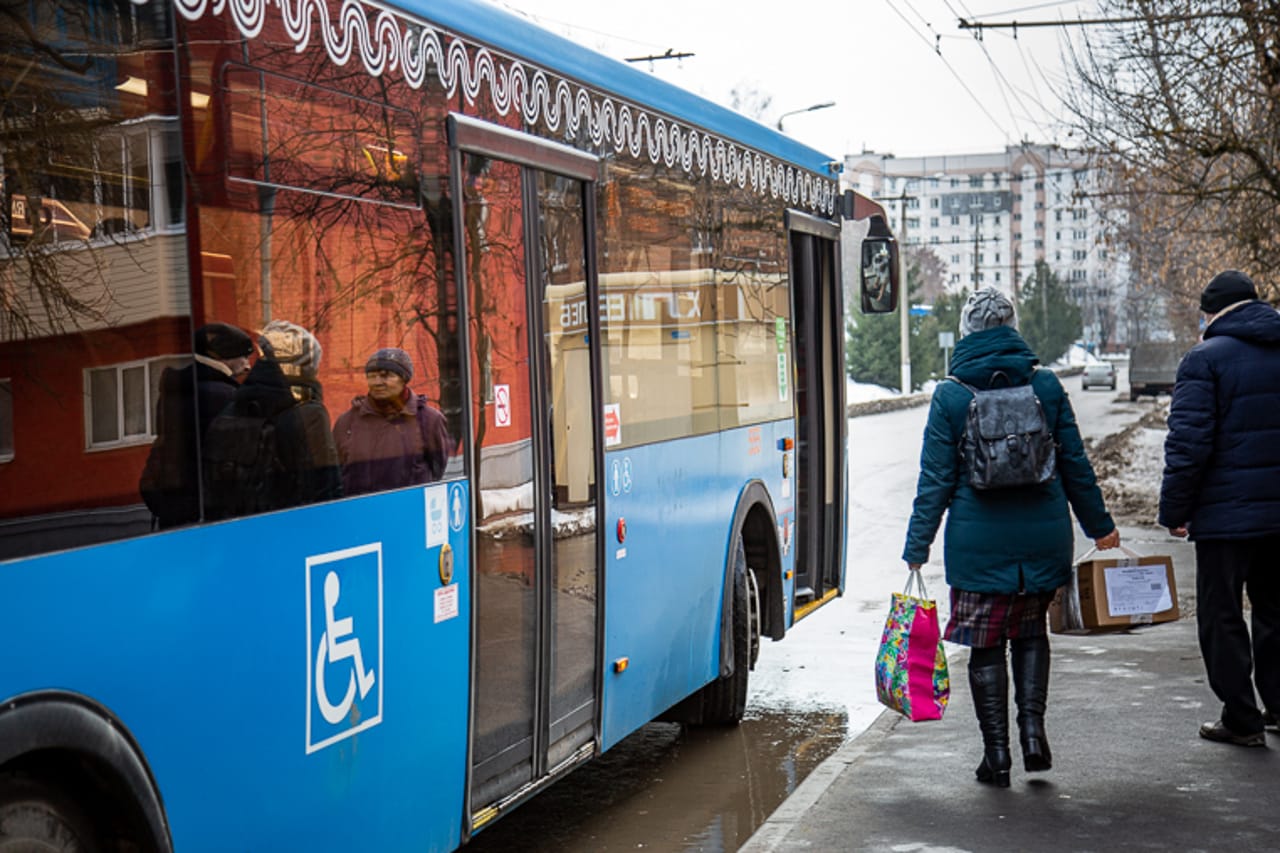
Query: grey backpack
{"x": 1007, "y": 441}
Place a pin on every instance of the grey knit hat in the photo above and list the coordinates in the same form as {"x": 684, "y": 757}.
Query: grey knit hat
{"x": 986, "y": 309}
{"x": 295, "y": 349}
{"x": 396, "y": 361}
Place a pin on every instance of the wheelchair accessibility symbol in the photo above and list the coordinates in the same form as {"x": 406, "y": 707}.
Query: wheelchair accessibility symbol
{"x": 344, "y": 644}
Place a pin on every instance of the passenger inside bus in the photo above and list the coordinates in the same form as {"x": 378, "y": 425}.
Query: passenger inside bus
{"x": 190, "y": 398}
{"x": 272, "y": 448}
{"x": 390, "y": 437}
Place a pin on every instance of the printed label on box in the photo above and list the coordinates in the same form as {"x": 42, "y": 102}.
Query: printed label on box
{"x": 1133, "y": 590}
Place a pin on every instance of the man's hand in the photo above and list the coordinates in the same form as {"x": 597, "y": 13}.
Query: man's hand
{"x": 1180, "y": 532}
{"x": 1111, "y": 540}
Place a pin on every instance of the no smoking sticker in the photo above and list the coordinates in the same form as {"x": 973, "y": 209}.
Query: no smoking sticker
{"x": 502, "y": 405}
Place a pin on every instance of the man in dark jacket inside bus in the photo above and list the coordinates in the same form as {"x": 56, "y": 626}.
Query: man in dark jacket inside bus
{"x": 1222, "y": 488}
{"x": 390, "y": 437}
{"x": 190, "y": 398}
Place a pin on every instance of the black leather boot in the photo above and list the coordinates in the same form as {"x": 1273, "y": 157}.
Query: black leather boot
{"x": 1030, "y": 693}
{"x": 989, "y": 683}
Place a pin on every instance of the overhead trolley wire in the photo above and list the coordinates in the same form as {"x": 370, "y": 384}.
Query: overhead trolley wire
{"x": 954, "y": 73}
{"x": 1025, "y": 9}
{"x": 971, "y": 23}
{"x": 1001, "y": 79}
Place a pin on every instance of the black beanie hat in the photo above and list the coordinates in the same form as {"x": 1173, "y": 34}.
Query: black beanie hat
{"x": 1226, "y": 289}
{"x": 219, "y": 340}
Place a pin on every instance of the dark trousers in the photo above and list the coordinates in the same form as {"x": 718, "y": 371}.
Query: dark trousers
{"x": 1225, "y": 568}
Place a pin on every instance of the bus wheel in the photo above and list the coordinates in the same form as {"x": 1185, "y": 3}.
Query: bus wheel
{"x": 725, "y": 699}
{"x": 35, "y": 816}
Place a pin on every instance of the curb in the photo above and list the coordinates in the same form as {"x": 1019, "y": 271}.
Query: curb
{"x": 888, "y": 404}
{"x": 773, "y": 832}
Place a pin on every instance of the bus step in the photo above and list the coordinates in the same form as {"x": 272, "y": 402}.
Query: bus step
{"x": 803, "y": 594}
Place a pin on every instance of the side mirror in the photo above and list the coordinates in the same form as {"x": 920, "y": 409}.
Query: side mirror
{"x": 879, "y": 271}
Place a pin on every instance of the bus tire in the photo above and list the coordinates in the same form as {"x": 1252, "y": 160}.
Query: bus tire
{"x": 724, "y": 701}
{"x": 37, "y": 816}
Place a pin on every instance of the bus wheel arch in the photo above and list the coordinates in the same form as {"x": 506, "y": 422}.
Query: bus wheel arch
{"x": 758, "y": 525}
{"x": 753, "y": 604}
{"x": 67, "y": 757}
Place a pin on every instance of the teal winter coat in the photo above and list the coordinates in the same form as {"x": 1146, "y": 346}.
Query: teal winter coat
{"x": 1005, "y": 540}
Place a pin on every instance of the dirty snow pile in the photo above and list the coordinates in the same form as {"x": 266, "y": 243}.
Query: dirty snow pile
{"x": 1129, "y": 465}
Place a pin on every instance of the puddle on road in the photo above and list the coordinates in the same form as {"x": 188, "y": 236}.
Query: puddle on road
{"x": 674, "y": 788}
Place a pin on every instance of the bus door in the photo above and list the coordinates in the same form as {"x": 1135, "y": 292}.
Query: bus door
{"x": 818, "y": 339}
{"x": 526, "y": 205}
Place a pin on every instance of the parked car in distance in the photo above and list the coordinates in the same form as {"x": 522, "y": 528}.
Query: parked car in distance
{"x": 1098, "y": 374}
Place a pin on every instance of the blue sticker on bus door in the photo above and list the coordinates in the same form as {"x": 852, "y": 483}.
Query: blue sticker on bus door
{"x": 344, "y": 644}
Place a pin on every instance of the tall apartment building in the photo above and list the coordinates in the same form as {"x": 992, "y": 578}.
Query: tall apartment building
{"x": 990, "y": 217}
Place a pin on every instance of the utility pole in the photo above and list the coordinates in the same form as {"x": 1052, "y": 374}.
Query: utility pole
{"x": 904, "y": 299}
{"x": 1044, "y": 301}
{"x": 975, "y": 210}
{"x": 977, "y": 242}
{"x": 904, "y": 295}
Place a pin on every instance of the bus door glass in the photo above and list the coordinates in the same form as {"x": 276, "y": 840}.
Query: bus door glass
{"x": 536, "y": 581}
{"x": 820, "y": 409}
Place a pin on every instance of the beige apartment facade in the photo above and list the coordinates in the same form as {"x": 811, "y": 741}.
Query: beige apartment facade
{"x": 989, "y": 217}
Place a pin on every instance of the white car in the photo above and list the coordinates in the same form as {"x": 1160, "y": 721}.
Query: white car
{"x": 1098, "y": 374}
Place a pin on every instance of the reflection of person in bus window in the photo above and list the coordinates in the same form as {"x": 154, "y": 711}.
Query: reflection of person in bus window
{"x": 190, "y": 398}
{"x": 390, "y": 437}
{"x": 875, "y": 271}
{"x": 272, "y": 447}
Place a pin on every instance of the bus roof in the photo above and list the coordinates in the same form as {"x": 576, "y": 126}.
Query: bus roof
{"x": 523, "y": 39}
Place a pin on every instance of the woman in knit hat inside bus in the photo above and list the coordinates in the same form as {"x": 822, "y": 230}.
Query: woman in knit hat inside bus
{"x": 390, "y": 437}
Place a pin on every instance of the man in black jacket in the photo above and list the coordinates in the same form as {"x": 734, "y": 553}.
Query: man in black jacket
{"x": 190, "y": 398}
{"x": 1222, "y": 488}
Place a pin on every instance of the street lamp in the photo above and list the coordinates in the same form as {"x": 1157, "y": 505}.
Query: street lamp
{"x": 805, "y": 110}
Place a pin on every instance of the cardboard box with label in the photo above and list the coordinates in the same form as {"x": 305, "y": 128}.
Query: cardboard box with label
{"x": 1110, "y": 594}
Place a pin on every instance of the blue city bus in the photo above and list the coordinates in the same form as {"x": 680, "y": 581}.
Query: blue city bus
{"x": 399, "y": 406}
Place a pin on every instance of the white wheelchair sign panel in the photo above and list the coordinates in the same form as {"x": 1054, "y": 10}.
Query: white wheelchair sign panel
{"x": 344, "y": 644}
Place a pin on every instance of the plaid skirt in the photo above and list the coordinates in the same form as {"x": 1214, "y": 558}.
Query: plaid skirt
{"x": 982, "y": 620}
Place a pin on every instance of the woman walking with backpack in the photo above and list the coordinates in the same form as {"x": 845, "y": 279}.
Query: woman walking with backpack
{"x": 1008, "y": 543}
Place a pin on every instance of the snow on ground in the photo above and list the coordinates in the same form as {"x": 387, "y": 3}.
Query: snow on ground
{"x": 1077, "y": 356}
{"x": 1129, "y": 465}
{"x": 860, "y": 392}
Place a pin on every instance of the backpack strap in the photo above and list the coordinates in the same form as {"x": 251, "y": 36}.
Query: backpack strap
{"x": 963, "y": 384}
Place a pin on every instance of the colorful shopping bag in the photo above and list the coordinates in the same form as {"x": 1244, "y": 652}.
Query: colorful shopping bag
{"x": 911, "y": 668}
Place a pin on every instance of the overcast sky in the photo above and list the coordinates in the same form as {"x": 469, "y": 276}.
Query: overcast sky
{"x": 875, "y": 59}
